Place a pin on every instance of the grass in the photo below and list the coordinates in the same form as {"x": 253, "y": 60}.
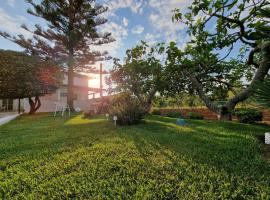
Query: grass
{"x": 59, "y": 158}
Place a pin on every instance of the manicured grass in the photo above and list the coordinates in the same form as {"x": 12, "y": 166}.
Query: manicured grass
{"x": 46, "y": 157}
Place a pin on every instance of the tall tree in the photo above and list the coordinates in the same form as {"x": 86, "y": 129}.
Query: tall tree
{"x": 141, "y": 74}
{"x": 24, "y": 76}
{"x": 220, "y": 27}
{"x": 70, "y": 35}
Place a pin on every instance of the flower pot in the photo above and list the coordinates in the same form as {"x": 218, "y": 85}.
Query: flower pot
{"x": 267, "y": 138}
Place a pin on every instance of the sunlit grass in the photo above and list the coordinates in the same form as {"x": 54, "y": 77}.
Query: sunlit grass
{"x": 46, "y": 157}
{"x": 80, "y": 120}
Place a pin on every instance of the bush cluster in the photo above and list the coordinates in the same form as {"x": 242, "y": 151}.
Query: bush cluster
{"x": 174, "y": 114}
{"x": 195, "y": 115}
{"x": 248, "y": 115}
{"x": 128, "y": 109}
{"x": 156, "y": 112}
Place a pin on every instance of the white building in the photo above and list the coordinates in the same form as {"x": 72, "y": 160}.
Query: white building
{"x": 81, "y": 96}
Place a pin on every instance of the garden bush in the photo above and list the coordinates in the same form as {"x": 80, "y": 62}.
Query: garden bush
{"x": 127, "y": 109}
{"x": 156, "y": 112}
{"x": 195, "y": 115}
{"x": 248, "y": 115}
{"x": 174, "y": 114}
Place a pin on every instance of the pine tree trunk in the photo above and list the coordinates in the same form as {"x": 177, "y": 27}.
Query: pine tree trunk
{"x": 70, "y": 94}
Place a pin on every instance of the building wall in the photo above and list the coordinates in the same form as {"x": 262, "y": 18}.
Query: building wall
{"x": 78, "y": 81}
{"x": 48, "y": 102}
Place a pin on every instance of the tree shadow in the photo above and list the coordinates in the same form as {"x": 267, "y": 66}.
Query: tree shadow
{"x": 234, "y": 153}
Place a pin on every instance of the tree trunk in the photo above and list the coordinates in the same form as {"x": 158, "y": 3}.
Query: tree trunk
{"x": 225, "y": 114}
{"x": 70, "y": 94}
{"x": 262, "y": 71}
{"x": 34, "y": 105}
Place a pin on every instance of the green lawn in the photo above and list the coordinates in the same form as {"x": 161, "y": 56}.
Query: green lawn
{"x": 46, "y": 157}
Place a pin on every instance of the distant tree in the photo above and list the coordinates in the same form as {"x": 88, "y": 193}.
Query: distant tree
{"x": 221, "y": 26}
{"x": 24, "y": 76}
{"x": 141, "y": 74}
{"x": 69, "y": 37}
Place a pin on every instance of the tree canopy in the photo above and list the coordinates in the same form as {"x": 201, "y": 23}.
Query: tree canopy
{"x": 216, "y": 27}
{"x": 24, "y": 76}
{"x": 142, "y": 72}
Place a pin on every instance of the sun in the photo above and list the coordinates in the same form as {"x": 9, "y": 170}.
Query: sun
{"x": 93, "y": 82}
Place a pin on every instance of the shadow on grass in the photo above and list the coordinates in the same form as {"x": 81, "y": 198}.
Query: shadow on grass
{"x": 200, "y": 143}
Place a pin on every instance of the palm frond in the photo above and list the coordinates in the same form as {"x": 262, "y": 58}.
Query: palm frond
{"x": 262, "y": 93}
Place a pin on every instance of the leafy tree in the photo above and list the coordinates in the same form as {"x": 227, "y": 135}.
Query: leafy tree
{"x": 69, "y": 37}
{"x": 141, "y": 74}
{"x": 221, "y": 26}
{"x": 24, "y": 76}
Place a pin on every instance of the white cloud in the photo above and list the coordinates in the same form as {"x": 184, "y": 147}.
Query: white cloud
{"x": 138, "y": 29}
{"x": 12, "y": 24}
{"x": 151, "y": 39}
{"x": 125, "y": 22}
{"x": 161, "y": 17}
{"x": 11, "y": 2}
{"x": 136, "y": 6}
{"x": 119, "y": 33}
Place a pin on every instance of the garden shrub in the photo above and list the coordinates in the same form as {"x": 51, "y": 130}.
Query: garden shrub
{"x": 248, "y": 115}
{"x": 101, "y": 107}
{"x": 195, "y": 115}
{"x": 156, "y": 112}
{"x": 174, "y": 114}
{"x": 127, "y": 109}
{"x": 89, "y": 114}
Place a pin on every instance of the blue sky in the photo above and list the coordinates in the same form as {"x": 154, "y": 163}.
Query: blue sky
{"x": 130, "y": 21}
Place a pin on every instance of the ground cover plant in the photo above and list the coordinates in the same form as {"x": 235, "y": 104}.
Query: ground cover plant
{"x": 60, "y": 158}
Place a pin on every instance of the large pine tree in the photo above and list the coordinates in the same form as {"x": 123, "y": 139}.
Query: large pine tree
{"x": 70, "y": 35}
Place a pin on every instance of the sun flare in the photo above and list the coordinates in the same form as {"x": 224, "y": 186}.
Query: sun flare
{"x": 93, "y": 82}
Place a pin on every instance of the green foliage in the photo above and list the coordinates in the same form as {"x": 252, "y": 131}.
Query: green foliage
{"x": 23, "y": 76}
{"x": 70, "y": 34}
{"x": 177, "y": 101}
{"x": 216, "y": 27}
{"x": 156, "y": 112}
{"x": 248, "y": 115}
{"x": 195, "y": 115}
{"x": 262, "y": 93}
{"x": 142, "y": 72}
{"x": 42, "y": 157}
{"x": 174, "y": 114}
{"x": 127, "y": 108}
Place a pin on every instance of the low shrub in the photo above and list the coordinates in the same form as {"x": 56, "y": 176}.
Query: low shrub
{"x": 195, "y": 115}
{"x": 248, "y": 115}
{"x": 174, "y": 114}
{"x": 156, "y": 112}
{"x": 101, "y": 107}
{"x": 89, "y": 114}
{"x": 127, "y": 109}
